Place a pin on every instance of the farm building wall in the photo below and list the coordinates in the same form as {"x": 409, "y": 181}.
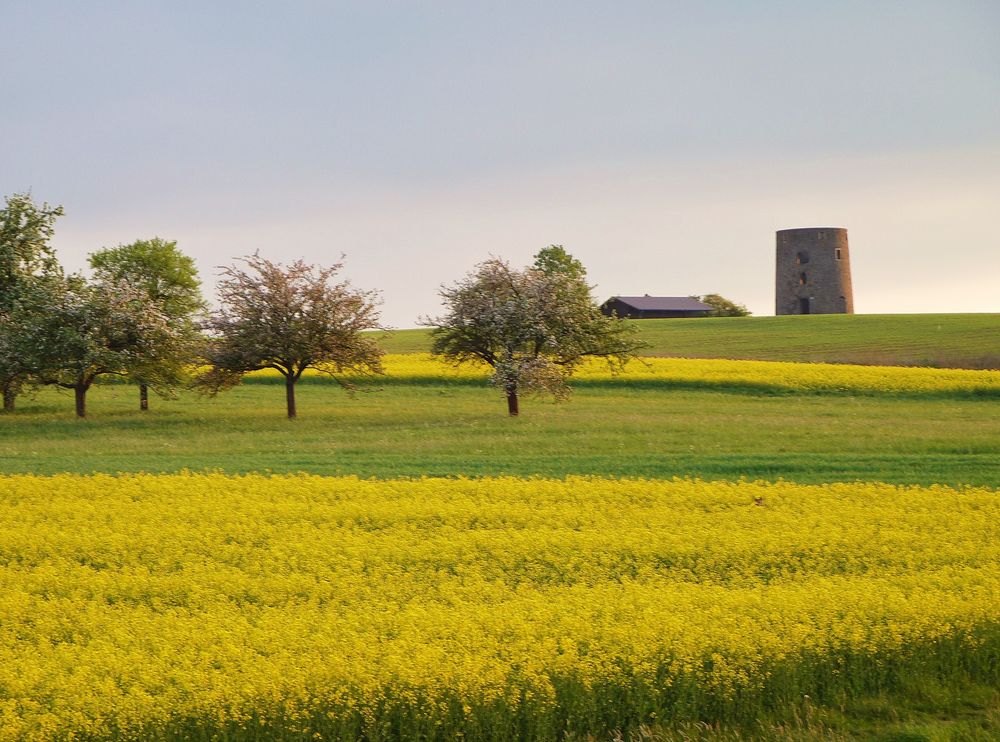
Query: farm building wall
{"x": 627, "y": 311}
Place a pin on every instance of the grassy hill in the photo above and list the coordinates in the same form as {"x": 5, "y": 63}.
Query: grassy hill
{"x": 943, "y": 340}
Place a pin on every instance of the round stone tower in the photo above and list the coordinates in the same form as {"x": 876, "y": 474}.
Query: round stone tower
{"x": 814, "y": 272}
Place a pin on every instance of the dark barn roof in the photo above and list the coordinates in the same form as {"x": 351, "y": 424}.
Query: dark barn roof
{"x": 663, "y": 303}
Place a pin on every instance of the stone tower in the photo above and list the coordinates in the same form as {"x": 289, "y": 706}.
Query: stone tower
{"x": 813, "y": 272}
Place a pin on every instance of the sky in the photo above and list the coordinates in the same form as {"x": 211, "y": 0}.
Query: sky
{"x": 662, "y": 143}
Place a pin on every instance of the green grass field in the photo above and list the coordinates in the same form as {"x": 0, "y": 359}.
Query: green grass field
{"x": 943, "y": 340}
{"x": 462, "y": 429}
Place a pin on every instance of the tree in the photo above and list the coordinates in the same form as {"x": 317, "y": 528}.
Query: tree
{"x": 169, "y": 279}
{"x": 13, "y": 372}
{"x": 554, "y": 260}
{"x": 723, "y": 307}
{"x": 77, "y": 331}
{"x": 533, "y": 327}
{"x": 290, "y": 319}
{"x": 25, "y": 258}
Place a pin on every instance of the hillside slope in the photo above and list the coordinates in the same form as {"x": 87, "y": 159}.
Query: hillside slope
{"x": 944, "y": 340}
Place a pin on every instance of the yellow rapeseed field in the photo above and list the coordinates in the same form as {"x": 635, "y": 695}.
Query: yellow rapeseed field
{"x": 174, "y": 606}
{"x": 715, "y": 373}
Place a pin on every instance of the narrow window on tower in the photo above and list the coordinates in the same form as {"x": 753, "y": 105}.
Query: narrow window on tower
{"x": 838, "y": 253}
{"x": 802, "y": 279}
{"x": 802, "y": 258}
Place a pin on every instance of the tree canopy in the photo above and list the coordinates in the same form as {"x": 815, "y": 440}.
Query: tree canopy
{"x": 290, "y": 319}
{"x": 163, "y": 272}
{"x": 533, "y": 327}
{"x": 25, "y": 253}
{"x": 26, "y": 258}
{"x": 76, "y": 331}
{"x": 169, "y": 279}
{"x": 554, "y": 260}
{"x": 723, "y": 307}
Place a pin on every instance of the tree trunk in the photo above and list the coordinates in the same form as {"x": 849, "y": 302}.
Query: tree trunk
{"x": 290, "y": 396}
{"x": 512, "y": 408}
{"x": 9, "y": 395}
{"x": 80, "y": 392}
{"x": 143, "y": 397}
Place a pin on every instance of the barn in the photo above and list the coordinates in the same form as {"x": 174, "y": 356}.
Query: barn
{"x": 654, "y": 307}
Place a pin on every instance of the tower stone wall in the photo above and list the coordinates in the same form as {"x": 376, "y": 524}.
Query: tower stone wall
{"x": 813, "y": 272}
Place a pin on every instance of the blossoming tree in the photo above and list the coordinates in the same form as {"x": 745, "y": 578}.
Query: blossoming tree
{"x": 533, "y": 327}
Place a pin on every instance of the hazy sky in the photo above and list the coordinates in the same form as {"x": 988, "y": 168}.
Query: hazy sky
{"x": 662, "y": 143}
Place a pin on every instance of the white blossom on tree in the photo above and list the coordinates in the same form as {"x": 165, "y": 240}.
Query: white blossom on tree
{"x": 25, "y": 259}
{"x": 75, "y": 332}
{"x": 169, "y": 279}
{"x": 533, "y": 327}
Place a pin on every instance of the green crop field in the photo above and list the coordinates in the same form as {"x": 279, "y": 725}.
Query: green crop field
{"x": 942, "y": 340}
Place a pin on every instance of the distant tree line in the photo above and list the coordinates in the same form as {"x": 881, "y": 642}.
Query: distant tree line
{"x": 140, "y": 316}
{"x": 722, "y": 307}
